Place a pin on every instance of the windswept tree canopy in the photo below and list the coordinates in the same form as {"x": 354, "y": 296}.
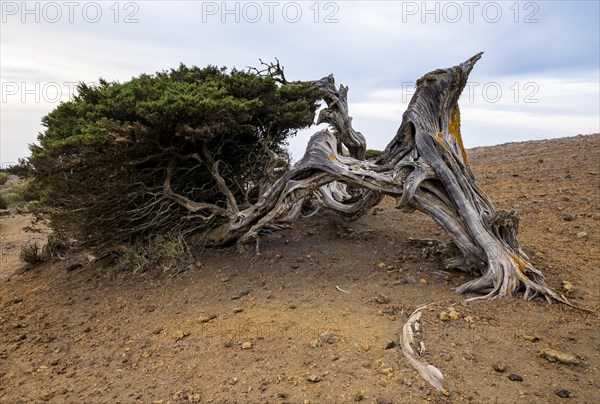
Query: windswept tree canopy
{"x": 104, "y": 156}
{"x": 200, "y": 151}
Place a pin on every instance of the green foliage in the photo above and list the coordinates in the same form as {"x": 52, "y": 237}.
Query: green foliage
{"x": 101, "y": 163}
{"x": 22, "y": 168}
{"x": 24, "y": 191}
{"x": 3, "y": 177}
{"x": 3, "y": 202}
{"x": 371, "y": 154}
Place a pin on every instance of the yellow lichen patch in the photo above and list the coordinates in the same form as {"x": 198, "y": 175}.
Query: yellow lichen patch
{"x": 440, "y": 138}
{"x": 454, "y": 130}
{"x": 331, "y": 156}
{"x": 520, "y": 264}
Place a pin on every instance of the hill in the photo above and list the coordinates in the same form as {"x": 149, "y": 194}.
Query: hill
{"x": 309, "y": 320}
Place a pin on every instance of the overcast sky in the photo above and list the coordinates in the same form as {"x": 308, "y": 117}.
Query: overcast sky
{"x": 539, "y": 77}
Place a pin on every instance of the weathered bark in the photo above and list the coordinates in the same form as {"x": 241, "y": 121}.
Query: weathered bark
{"x": 424, "y": 167}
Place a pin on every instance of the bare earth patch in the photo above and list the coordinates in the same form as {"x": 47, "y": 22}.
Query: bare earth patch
{"x": 282, "y": 327}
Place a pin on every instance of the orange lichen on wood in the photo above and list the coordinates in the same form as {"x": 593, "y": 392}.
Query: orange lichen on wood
{"x": 331, "y": 156}
{"x": 454, "y": 130}
{"x": 520, "y": 264}
{"x": 440, "y": 138}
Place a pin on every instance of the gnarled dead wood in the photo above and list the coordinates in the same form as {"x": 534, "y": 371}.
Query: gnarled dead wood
{"x": 424, "y": 167}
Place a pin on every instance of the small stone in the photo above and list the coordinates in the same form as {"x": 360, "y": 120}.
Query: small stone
{"x": 530, "y": 338}
{"x": 443, "y": 316}
{"x": 381, "y": 265}
{"x": 247, "y": 345}
{"x": 206, "y": 319}
{"x": 423, "y": 281}
{"x": 54, "y": 362}
{"x": 384, "y": 400}
{"x": 567, "y": 286}
{"x": 562, "y": 393}
{"x": 582, "y": 234}
{"x": 295, "y": 266}
{"x": 241, "y": 294}
{"x": 237, "y": 310}
{"x": 179, "y": 335}
{"x": 292, "y": 306}
{"x": 387, "y": 371}
{"x": 359, "y": 396}
{"x": 569, "y": 217}
{"x": 73, "y": 267}
{"x": 557, "y": 356}
{"x": 381, "y": 298}
{"x": 390, "y": 345}
{"x": 469, "y": 319}
{"x": 194, "y": 397}
{"x": 314, "y": 378}
{"x": 515, "y": 378}
{"x": 499, "y": 367}
{"x": 453, "y": 315}
{"x": 328, "y": 337}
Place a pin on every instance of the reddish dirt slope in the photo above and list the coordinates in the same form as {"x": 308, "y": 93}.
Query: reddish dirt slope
{"x": 274, "y": 328}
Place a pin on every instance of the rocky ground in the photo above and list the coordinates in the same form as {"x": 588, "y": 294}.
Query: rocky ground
{"x": 315, "y": 318}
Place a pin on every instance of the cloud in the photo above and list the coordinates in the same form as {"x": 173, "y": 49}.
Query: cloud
{"x": 376, "y": 48}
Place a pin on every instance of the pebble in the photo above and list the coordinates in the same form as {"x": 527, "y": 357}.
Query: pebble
{"x": 314, "y": 378}
{"x": 582, "y": 234}
{"x": 515, "y": 378}
{"x": 530, "y": 338}
{"x": 499, "y": 367}
{"x": 390, "y": 345}
{"x": 569, "y": 217}
{"x": 242, "y": 293}
{"x": 206, "y": 319}
{"x": 179, "y": 335}
{"x": 247, "y": 345}
{"x": 238, "y": 310}
{"x": 384, "y": 400}
{"x": 327, "y": 337}
{"x": 381, "y": 298}
{"x": 443, "y": 316}
{"x": 453, "y": 315}
{"x": 469, "y": 319}
{"x": 567, "y": 286}
{"x": 423, "y": 281}
{"x": 557, "y": 356}
{"x": 562, "y": 393}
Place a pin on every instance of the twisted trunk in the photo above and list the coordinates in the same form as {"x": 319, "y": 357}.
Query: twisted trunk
{"x": 424, "y": 167}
